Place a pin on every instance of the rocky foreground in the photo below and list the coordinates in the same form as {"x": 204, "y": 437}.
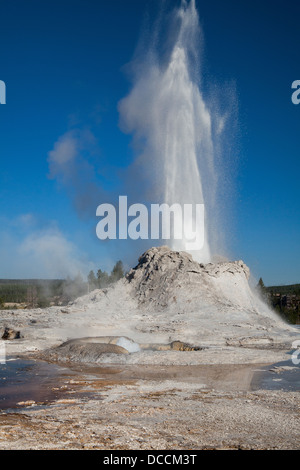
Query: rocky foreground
{"x": 203, "y": 322}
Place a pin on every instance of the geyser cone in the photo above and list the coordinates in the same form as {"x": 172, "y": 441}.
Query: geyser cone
{"x": 168, "y": 297}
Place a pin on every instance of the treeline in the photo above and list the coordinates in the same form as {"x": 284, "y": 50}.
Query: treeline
{"x": 41, "y": 293}
{"x": 285, "y": 300}
{"x": 102, "y": 279}
{"x": 293, "y": 289}
{"x": 18, "y": 290}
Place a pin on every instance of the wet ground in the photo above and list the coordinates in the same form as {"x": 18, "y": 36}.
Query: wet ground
{"x": 24, "y": 381}
{"x": 282, "y": 376}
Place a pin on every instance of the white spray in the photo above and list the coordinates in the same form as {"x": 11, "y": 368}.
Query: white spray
{"x": 168, "y": 116}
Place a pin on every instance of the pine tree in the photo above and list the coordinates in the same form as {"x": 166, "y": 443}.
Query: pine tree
{"x": 261, "y": 284}
{"x": 262, "y": 290}
{"x": 102, "y": 279}
{"x": 92, "y": 281}
{"x": 117, "y": 272}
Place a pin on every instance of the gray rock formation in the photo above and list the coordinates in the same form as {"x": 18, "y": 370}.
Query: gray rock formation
{"x": 164, "y": 277}
{"x": 7, "y": 333}
{"x": 82, "y": 351}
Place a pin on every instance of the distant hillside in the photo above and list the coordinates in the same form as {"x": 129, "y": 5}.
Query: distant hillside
{"x": 293, "y": 289}
{"x": 286, "y": 301}
{"x": 33, "y": 293}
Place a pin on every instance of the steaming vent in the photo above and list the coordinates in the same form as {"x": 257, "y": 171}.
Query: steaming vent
{"x": 128, "y": 344}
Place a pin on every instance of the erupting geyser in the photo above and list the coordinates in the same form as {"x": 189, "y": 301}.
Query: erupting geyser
{"x": 168, "y": 116}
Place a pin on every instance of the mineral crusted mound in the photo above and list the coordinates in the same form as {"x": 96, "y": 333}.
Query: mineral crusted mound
{"x": 164, "y": 278}
{"x": 93, "y": 349}
{"x": 167, "y": 306}
{"x": 168, "y": 296}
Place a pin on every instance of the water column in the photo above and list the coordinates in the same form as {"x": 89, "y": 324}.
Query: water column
{"x": 166, "y": 111}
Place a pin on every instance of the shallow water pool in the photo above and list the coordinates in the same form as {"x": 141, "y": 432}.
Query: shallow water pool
{"x": 284, "y": 376}
{"x": 24, "y": 380}
{"x": 40, "y": 383}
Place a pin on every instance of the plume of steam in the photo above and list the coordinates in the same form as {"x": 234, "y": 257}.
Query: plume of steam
{"x": 34, "y": 248}
{"x": 49, "y": 251}
{"x": 69, "y": 164}
{"x": 176, "y": 130}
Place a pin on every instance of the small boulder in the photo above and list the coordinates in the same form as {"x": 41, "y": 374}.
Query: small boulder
{"x": 9, "y": 333}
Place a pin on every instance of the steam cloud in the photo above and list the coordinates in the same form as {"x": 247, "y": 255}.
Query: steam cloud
{"x": 178, "y": 135}
{"x": 177, "y": 131}
{"x": 30, "y": 248}
{"x": 69, "y": 165}
{"x": 52, "y": 253}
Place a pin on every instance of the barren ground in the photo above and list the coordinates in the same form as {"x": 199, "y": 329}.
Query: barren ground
{"x": 209, "y": 398}
{"x": 156, "y": 407}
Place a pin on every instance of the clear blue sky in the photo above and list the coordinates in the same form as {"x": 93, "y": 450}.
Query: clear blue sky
{"x": 63, "y": 65}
